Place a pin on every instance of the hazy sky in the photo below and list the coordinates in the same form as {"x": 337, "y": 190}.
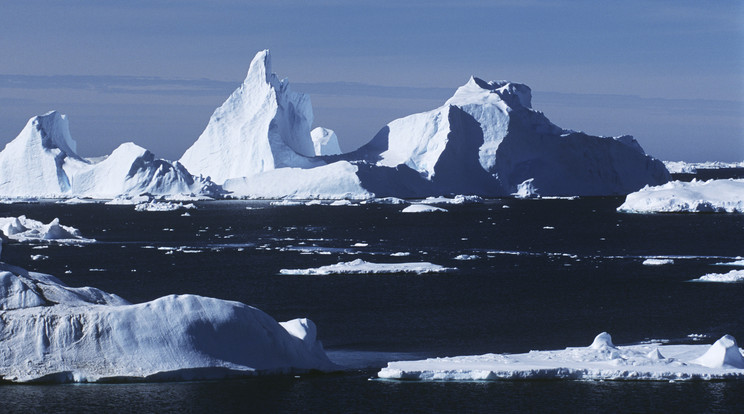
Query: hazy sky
{"x": 671, "y": 73}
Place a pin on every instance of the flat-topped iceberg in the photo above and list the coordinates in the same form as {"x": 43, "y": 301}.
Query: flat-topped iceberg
{"x": 54, "y": 333}
{"x": 712, "y": 196}
{"x": 602, "y": 360}
{"x": 361, "y": 267}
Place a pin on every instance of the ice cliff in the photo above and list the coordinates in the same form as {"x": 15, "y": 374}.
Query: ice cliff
{"x": 42, "y": 162}
{"x": 55, "y": 333}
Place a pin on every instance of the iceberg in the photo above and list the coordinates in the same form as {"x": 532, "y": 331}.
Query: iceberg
{"x": 423, "y": 208}
{"x": 50, "y": 332}
{"x": 42, "y": 162}
{"x": 25, "y": 229}
{"x": 733, "y": 276}
{"x": 262, "y": 126}
{"x": 712, "y": 196}
{"x": 361, "y": 267}
{"x": 602, "y": 360}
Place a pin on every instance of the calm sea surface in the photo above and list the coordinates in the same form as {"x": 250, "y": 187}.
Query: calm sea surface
{"x": 544, "y": 274}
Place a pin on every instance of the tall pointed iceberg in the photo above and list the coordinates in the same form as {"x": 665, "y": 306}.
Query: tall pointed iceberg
{"x": 263, "y": 125}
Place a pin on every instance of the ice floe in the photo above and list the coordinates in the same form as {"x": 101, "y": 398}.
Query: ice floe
{"x": 163, "y": 206}
{"x": 602, "y": 360}
{"x": 360, "y": 266}
{"x": 657, "y": 262}
{"x": 422, "y": 208}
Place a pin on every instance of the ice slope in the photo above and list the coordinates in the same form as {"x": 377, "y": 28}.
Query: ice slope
{"x": 41, "y": 162}
{"x": 602, "y": 360}
{"x": 487, "y": 140}
{"x": 325, "y": 141}
{"x": 263, "y": 125}
{"x": 723, "y": 196}
{"x": 51, "y": 332}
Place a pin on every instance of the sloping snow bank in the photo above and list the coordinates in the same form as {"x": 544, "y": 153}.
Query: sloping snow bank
{"x": 600, "y": 361}
{"x": 730, "y": 277}
{"x": 51, "y": 332}
{"x": 26, "y": 229}
{"x": 359, "y": 266}
{"x": 679, "y": 197}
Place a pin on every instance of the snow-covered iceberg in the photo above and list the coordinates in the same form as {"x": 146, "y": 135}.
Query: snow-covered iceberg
{"x": 55, "y": 333}
{"x": 688, "y": 197}
{"x": 359, "y": 266}
{"x": 25, "y": 229}
{"x": 42, "y": 162}
{"x": 602, "y": 360}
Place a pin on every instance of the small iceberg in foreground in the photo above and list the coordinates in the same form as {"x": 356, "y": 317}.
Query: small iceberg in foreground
{"x": 360, "y": 267}
{"x": 423, "y": 208}
{"x": 602, "y": 360}
{"x": 50, "y": 332}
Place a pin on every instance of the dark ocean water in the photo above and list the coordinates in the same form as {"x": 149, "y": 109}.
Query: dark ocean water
{"x": 548, "y": 274}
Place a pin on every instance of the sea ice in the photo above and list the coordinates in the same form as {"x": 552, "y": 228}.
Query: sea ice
{"x": 602, "y": 360}
{"x": 360, "y": 266}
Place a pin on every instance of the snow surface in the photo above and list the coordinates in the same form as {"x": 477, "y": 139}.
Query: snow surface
{"x": 41, "y": 162}
{"x": 422, "y": 208}
{"x": 325, "y": 141}
{"x": 691, "y": 197}
{"x": 55, "y": 333}
{"x": 25, "y": 229}
{"x": 602, "y": 360}
{"x": 730, "y": 277}
{"x": 360, "y": 266}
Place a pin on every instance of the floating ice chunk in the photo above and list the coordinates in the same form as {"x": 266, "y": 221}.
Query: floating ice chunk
{"x": 25, "y": 229}
{"x": 600, "y": 361}
{"x": 341, "y": 203}
{"x": 527, "y": 189}
{"x": 657, "y": 262}
{"x": 422, "y": 208}
{"x": 458, "y": 199}
{"x": 724, "y": 353}
{"x": 163, "y": 206}
{"x": 730, "y": 277}
{"x": 736, "y": 263}
{"x": 467, "y": 257}
{"x": 385, "y": 200}
{"x": 360, "y": 266}
{"x": 713, "y": 196}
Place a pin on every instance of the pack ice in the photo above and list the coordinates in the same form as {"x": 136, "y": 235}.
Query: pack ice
{"x": 485, "y": 140}
{"x": 42, "y": 162}
{"x": 54, "y": 333}
{"x": 602, "y": 360}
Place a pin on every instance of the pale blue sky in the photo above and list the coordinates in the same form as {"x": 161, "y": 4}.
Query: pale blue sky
{"x": 668, "y": 72}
